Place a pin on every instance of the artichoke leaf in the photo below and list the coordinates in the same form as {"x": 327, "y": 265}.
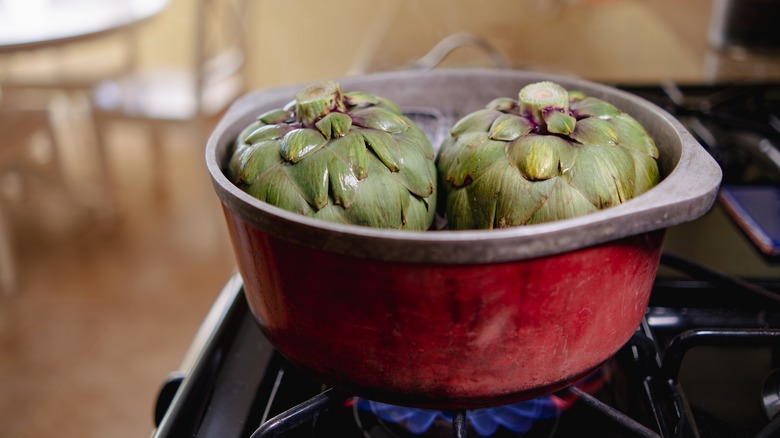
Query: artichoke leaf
{"x": 647, "y": 175}
{"x": 503, "y": 104}
{"x": 344, "y": 184}
{"x": 483, "y": 195}
{"x": 594, "y": 131}
{"x": 376, "y": 203}
{"x": 508, "y": 127}
{"x": 480, "y": 120}
{"x": 360, "y": 99}
{"x": 415, "y": 137}
{"x": 276, "y": 188}
{"x": 311, "y": 178}
{"x": 298, "y": 143}
{"x": 351, "y": 150}
{"x": 473, "y": 152}
{"x": 236, "y": 162}
{"x": 276, "y": 116}
{"x": 334, "y": 124}
{"x": 256, "y": 160}
{"x": 459, "y": 201}
{"x": 593, "y": 107}
{"x": 384, "y": 146}
{"x": 331, "y": 213}
{"x": 389, "y": 105}
{"x": 416, "y": 214}
{"x": 562, "y": 202}
{"x": 559, "y": 123}
{"x": 633, "y": 136}
{"x": 265, "y": 132}
{"x": 376, "y": 117}
{"x": 538, "y": 157}
{"x": 412, "y": 176}
{"x": 605, "y": 175}
{"x": 248, "y": 130}
{"x": 519, "y": 198}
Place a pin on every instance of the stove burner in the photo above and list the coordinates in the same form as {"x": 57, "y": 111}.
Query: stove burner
{"x": 518, "y": 417}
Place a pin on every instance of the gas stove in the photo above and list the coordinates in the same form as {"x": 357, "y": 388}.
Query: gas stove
{"x": 703, "y": 362}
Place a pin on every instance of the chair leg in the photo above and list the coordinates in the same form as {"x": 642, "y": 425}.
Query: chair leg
{"x": 8, "y": 274}
{"x": 159, "y": 163}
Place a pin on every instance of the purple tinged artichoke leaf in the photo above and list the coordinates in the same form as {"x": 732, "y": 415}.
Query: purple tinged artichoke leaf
{"x": 593, "y": 107}
{"x": 334, "y": 125}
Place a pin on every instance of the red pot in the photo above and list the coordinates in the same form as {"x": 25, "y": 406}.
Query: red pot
{"x": 457, "y": 319}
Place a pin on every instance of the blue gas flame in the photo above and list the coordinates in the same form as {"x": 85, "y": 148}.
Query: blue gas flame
{"x": 518, "y": 417}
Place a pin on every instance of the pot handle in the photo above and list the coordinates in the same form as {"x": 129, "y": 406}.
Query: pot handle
{"x": 449, "y": 44}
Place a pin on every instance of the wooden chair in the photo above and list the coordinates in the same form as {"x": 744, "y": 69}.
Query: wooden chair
{"x": 19, "y": 124}
{"x": 190, "y": 96}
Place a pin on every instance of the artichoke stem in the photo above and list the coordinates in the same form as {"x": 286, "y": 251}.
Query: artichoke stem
{"x": 540, "y": 97}
{"x": 317, "y": 100}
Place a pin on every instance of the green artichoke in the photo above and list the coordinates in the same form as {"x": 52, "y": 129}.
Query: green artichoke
{"x": 341, "y": 157}
{"x": 549, "y": 155}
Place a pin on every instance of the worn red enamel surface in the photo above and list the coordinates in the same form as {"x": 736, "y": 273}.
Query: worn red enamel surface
{"x": 446, "y": 335}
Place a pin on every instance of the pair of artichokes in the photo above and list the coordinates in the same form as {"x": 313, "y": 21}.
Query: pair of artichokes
{"x": 355, "y": 158}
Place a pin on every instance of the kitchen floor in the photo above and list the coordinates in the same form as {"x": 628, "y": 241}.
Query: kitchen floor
{"x": 106, "y": 308}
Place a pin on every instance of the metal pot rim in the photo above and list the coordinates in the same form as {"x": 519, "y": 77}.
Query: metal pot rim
{"x": 691, "y": 179}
